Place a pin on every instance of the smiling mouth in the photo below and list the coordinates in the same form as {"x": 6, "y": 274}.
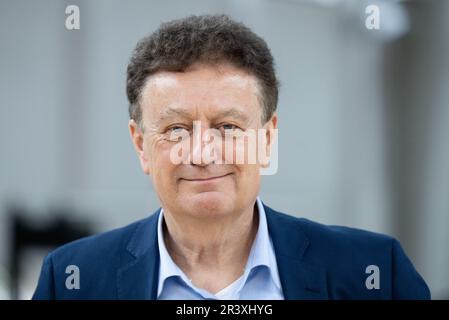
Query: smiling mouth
{"x": 206, "y": 179}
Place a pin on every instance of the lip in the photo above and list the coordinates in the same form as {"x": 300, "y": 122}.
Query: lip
{"x": 211, "y": 179}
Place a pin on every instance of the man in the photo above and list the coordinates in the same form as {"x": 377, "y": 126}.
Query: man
{"x": 197, "y": 86}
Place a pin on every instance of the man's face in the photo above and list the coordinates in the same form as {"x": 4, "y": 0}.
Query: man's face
{"x": 218, "y": 97}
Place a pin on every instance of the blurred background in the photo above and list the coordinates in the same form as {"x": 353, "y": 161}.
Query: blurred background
{"x": 363, "y": 127}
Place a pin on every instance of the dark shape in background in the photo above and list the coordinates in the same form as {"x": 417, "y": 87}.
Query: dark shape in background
{"x": 25, "y": 233}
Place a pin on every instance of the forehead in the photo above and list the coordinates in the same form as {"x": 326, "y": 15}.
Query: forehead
{"x": 201, "y": 88}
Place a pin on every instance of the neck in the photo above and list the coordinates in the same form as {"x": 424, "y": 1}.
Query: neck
{"x": 204, "y": 249}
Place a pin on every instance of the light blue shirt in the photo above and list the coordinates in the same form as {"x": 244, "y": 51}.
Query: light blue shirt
{"x": 259, "y": 281}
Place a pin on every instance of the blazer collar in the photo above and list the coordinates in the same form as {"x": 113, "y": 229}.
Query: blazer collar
{"x": 137, "y": 276}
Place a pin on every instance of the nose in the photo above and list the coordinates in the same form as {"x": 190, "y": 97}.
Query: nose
{"x": 205, "y": 149}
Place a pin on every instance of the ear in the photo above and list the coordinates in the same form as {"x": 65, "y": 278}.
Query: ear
{"x": 138, "y": 139}
{"x": 271, "y": 135}
{"x": 273, "y": 122}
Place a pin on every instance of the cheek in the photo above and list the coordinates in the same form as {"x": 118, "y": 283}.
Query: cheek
{"x": 248, "y": 177}
{"x": 161, "y": 166}
{"x": 252, "y": 172}
{"x": 155, "y": 150}
{"x": 164, "y": 181}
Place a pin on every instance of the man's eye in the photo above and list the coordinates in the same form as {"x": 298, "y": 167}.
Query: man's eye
{"x": 228, "y": 126}
{"x": 176, "y": 132}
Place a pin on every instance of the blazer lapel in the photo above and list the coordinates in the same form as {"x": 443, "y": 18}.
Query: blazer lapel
{"x": 299, "y": 279}
{"x": 137, "y": 277}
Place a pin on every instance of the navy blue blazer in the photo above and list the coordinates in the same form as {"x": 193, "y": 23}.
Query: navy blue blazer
{"x": 314, "y": 262}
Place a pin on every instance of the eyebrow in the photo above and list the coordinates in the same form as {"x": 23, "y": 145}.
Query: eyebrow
{"x": 170, "y": 112}
{"x": 232, "y": 112}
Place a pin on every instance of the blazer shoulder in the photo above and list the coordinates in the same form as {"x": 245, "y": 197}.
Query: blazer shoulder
{"x": 104, "y": 245}
{"x": 350, "y": 255}
{"x": 337, "y": 248}
{"x": 333, "y": 235}
{"x": 367, "y": 253}
{"x": 336, "y": 234}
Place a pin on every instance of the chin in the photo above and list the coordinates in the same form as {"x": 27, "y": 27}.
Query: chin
{"x": 211, "y": 203}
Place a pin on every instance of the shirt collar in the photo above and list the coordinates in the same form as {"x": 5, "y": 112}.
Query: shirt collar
{"x": 262, "y": 250}
{"x": 261, "y": 254}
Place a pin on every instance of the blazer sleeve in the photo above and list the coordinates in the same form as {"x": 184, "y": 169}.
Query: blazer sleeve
{"x": 407, "y": 283}
{"x": 45, "y": 289}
